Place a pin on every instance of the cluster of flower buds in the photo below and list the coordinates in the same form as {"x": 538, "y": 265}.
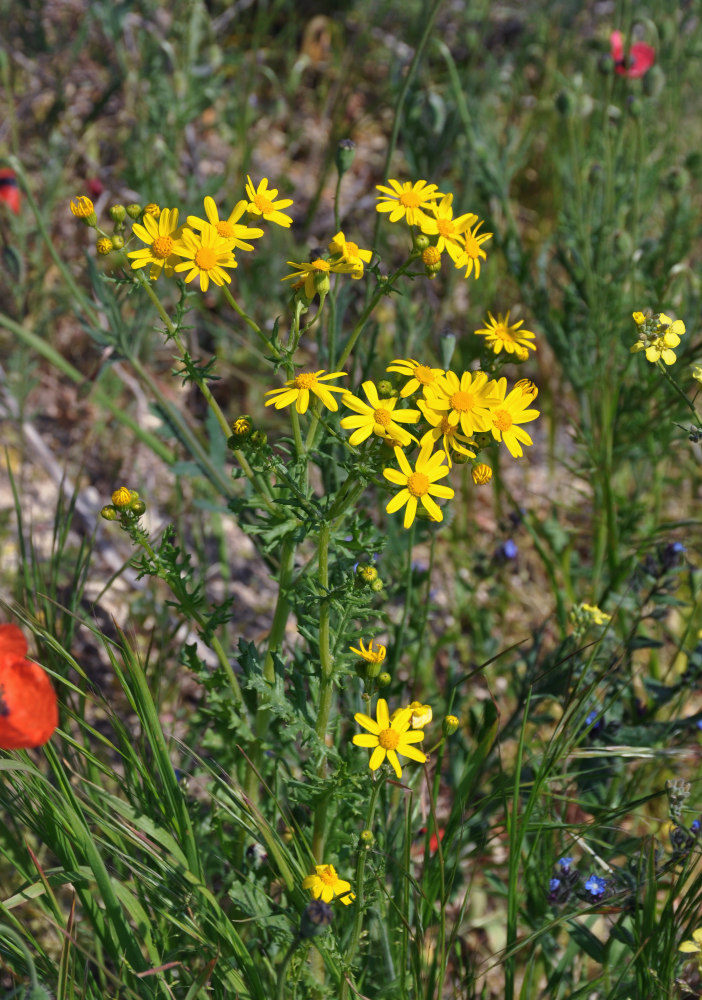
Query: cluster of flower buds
{"x": 126, "y": 507}
{"x": 657, "y": 336}
{"x": 245, "y": 435}
{"x": 83, "y": 208}
{"x": 366, "y": 575}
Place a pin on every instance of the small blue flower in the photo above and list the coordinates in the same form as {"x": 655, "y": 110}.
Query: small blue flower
{"x": 699, "y": 724}
{"x": 553, "y": 884}
{"x": 595, "y": 885}
{"x": 510, "y": 550}
{"x": 565, "y": 864}
{"x": 591, "y": 716}
{"x": 695, "y": 826}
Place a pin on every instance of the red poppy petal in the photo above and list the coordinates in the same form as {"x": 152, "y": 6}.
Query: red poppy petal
{"x": 13, "y": 645}
{"x": 643, "y": 56}
{"x": 616, "y": 43}
{"x": 28, "y": 707}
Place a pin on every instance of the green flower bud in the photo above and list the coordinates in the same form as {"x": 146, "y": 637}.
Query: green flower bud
{"x": 372, "y": 669}
{"x": 366, "y": 839}
{"x": 677, "y": 180}
{"x": 384, "y": 679}
{"x": 377, "y": 585}
{"x": 345, "y": 153}
{"x": 110, "y": 513}
{"x": 605, "y": 65}
{"x": 117, "y": 213}
{"x": 450, "y": 725}
{"x": 654, "y": 81}
{"x": 133, "y": 211}
{"x": 421, "y": 242}
{"x": 259, "y": 439}
{"x": 366, "y": 573}
{"x": 117, "y": 241}
{"x": 385, "y": 388}
{"x": 322, "y": 283}
{"x": 633, "y": 106}
{"x": 564, "y": 103}
{"x": 482, "y": 439}
{"x": 137, "y": 507}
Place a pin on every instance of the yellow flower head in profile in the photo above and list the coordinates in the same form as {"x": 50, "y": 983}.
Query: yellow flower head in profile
{"x": 500, "y": 335}
{"x": 419, "y": 484}
{"x": 348, "y": 252}
{"x": 369, "y": 654}
{"x": 229, "y": 228}
{"x": 325, "y": 884}
{"x": 507, "y": 414}
{"x": 262, "y": 201}
{"x": 377, "y": 416}
{"x": 472, "y": 251}
{"x": 407, "y": 201}
{"x": 314, "y": 275}
{"x": 207, "y": 254}
{"x": 466, "y": 401}
{"x": 82, "y": 207}
{"x": 696, "y": 373}
{"x": 421, "y": 715}
{"x": 481, "y": 473}
{"x": 298, "y": 390}
{"x": 449, "y": 230}
{"x": 418, "y": 375}
{"x": 388, "y": 738}
{"x": 162, "y": 237}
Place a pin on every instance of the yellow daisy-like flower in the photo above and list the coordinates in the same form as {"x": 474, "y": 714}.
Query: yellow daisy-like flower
{"x": 500, "y": 334}
{"x": 162, "y": 237}
{"x": 207, "y": 255}
{"x": 466, "y": 401}
{"x": 262, "y": 201}
{"x": 228, "y": 229}
{"x": 298, "y": 390}
{"x": 418, "y": 375}
{"x": 369, "y": 654}
{"x": 314, "y": 275}
{"x": 350, "y": 253}
{"x": 407, "y": 201}
{"x": 377, "y": 416}
{"x": 507, "y": 414}
{"x": 419, "y": 484}
{"x": 82, "y": 207}
{"x": 389, "y": 738}
{"x": 472, "y": 251}
{"x": 451, "y": 437}
{"x": 449, "y": 230}
{"x": 421, "y": 715}
{"x": 325, "y": 884}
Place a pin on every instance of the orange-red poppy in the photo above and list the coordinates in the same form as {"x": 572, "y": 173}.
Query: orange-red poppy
{"x": 639, "y": 60}
{"x": 9, "y": 190}
{"x": 28, "y": 709}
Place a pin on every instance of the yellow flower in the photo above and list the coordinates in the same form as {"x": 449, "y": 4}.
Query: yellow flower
{"x": 152, "y": 209}
{"x": 657, "y": 337}
{"x": 501, "y": 334}
{"x": 507, "y": 414}
{"x": 369, "y": 654}
{"x": 467, "y": 401}
{"x": 122, "y": 497}
{"x": 325, "y": 884}
{"x": 298, "y": 390}
{"x": 421, "y": 715}
{"x": 388, "y": 738}
{"x": 449, "y": 230}
{"x": 315, "y": 274}
{"x": 693, "y": 947}
{"x": 441, "y": 427}
{"x": 262, "y": 202}
{"x": 697, "y": 373}
{"x": 207, "y": 255}
{"x": 527, "y": 387}
{"x": 473, "y": 251}
{"x": 481, "y": 473}
{"x": 162, "y": 236}
{"x": 416, "y": 373}
{"x": 349, "y": 253}
{"x": 419, "y": 484}
{"x": 380, "y": 417}
{"x": 407, "y": 201}
{"x": 82, "y": 207}
{"x": 228, "y": 229}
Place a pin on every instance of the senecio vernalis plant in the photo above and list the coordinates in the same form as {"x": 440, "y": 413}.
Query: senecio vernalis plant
{"x": 306, "y": 500}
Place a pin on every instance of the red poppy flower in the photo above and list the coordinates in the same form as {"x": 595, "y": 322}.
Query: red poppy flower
{"x": 639, "y": 61}
{"x": 28, "y": 709}
{"x": 9, "y": 190}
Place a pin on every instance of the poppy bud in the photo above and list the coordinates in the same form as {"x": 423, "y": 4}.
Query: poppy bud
{"x": 345, "y": 153}
{"x": 564, "y": 103}
{"x": 654, "y": 82}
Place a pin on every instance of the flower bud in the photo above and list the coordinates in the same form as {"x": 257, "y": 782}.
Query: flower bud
{"x": 242, "y": 428}
{"x": 384, "y": 679}
{"x": 605, "y": 64}
{"x": 654, "y": 81}
{"x": 133, "y": 210}
{"x": 259, "y": 439}
{"x": 633, "y": 106}
{"x": 137, "y": 507}
{"x": 117, "y": 213}
{"x": 450, "y": 725}
{"x": 366, "y": 839}
{"x": 431, "y": 258}
{"x": 345, "y": 153}
{"x": 377, "y": 585}
{"x": 322, "y": 283}
{"x": 117, "y": 241}
{"x": 152, "y": 209}
{"x": 84, "y": 210}
{"x": 564, "y": 103}
{"x": 482, "y": 474}
{"x": 365, "y": 573}
{"x": 104, "y": 246}
{"x": 421, "y": 243}
{"x": 676, "y": 180}
{"x": 110, "y": 513}
{"x": 122, "y": 497}
{"x": 385, "y": 388}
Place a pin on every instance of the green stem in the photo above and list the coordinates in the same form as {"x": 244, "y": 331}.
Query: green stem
{"x": 283, "y": 968}
{"x": 326, "y": 682}
{"x": 680, "y": 393}
{"x": 381, "y": 290}
{"x": 401, "y": 628}
{"x": 249, "y": 321}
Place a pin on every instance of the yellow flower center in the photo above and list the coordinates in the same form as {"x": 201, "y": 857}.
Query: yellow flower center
{"x": 263, "y": 204}
{"x": 446, "y": 227}
{"x": 424, "y": 375}
{"x": 320, "y": 265}
{"x": 472, "y": 247}
{"x": 418, "y": 484}
{"x": 502, "y": 332}
{"x": 162, "y": 247}
{"x": 410, "y": 199}
{"x": 328, "y": 875}
{"x": 305, "y": 380}
{"x": 446, "y": 428}
{"x": 226, "y": 230}
{"x": 502, "y": 420}
{"x": 462, "y": 401}
{"x": 205, "y": 259}
{"x": 382, "y": 417}
{"x": 388, "y": 739}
